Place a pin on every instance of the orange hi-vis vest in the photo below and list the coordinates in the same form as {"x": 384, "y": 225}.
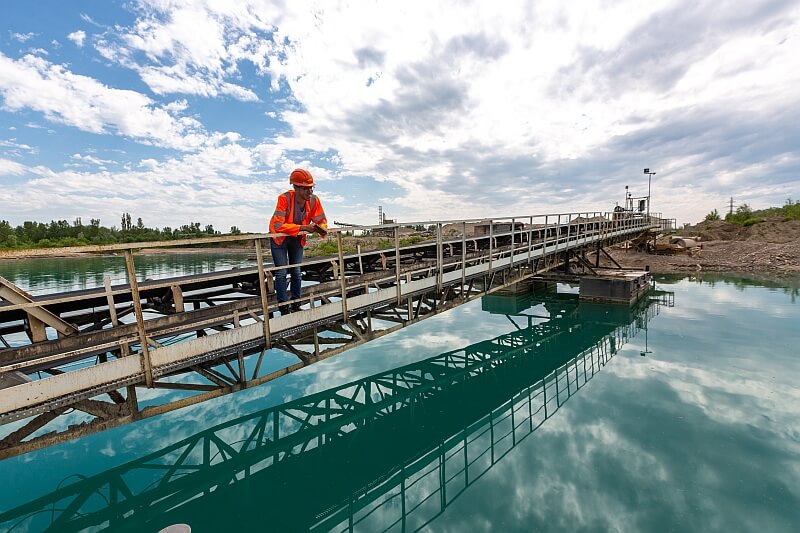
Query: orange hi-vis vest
{"x": 282, "y": 220}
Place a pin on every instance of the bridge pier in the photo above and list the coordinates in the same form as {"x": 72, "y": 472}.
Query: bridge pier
{"x": 617, "y": 287}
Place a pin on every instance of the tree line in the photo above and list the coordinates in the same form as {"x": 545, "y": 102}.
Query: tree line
{"x": 746, "y": 216}
{"x": 59, "y": 233}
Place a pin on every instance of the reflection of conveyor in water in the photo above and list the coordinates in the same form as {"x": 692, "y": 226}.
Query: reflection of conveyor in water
{"x": 396, "y": 447}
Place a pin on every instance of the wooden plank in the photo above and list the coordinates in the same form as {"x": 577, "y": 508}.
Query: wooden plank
{"x": 42, "y": 390}
{"x": 177, "y": 298}
{"x": 137, "y": 305}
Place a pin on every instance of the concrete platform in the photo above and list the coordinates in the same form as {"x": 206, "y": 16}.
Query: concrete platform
{"x": 615, "y": 286}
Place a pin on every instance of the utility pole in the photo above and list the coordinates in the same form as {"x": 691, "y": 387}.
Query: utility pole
{"x": 731, "y": 208}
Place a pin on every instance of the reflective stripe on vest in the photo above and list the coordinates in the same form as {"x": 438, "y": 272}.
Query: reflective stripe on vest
{"x": 289, "y": 218}
{"x": 312, "y": 206}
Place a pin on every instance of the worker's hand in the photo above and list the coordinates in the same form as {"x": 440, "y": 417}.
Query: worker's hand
{"x": 308, "y": 228}
{"x": 319, "y": 229}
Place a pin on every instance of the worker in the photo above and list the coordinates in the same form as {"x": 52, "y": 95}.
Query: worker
{"x": 298, "y": 213}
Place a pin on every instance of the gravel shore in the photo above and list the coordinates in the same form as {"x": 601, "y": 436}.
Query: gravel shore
{"x": 769, "y": 248}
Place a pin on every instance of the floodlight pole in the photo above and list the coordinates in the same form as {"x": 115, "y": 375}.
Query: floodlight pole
{"x": 649, "y": 178}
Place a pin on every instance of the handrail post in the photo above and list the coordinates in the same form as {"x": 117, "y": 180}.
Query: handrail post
{"x": 397, "y": 263}
{"x": 491, "y": 244}
{"x": 569, "y": 233}
{"x": 530, "y": 239}
{"x": 133, "y": 403}
{"x": 512, "y": 242}
{"x": 439, "y": 258}
{"x": 463, "y": 256}
{"x": 342, "y": 277}
{"x": 546, "y": 238}
{"x": 137, "y": 307}
{"x": 262, "y": 288}
{"x": 558, "y": 236}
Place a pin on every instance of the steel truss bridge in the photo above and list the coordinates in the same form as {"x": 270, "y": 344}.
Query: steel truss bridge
{"x": 71, "y": 363}
{"x": 387, "y": 452}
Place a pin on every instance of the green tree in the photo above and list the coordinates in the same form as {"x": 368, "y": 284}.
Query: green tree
{"x": 713, "y": 215}
{"x": 744, "y": 210}
{"x": 5, "y": 230}
{"x": 32, "y": 234}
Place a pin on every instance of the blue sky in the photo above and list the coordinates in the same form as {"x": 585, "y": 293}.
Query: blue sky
{"x": 180, "y": 111}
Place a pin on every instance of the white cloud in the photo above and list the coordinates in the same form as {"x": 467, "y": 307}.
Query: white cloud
{"x": 89, "y": 19}
{"x": 550, "y": 106}
{"x": 90, "y": 159}
{"x": 214, "y": 185}
{"x": 87, "y": 104}
{"x": 77, "y": 37}
{"x": 450, "y": 98}
{"x": 192, "y": 49}
{"x": 11, "y": 143}
{"x": 11, "y": 168}
{"x": 167, "y": 80}
{"x": 23, "y": 37}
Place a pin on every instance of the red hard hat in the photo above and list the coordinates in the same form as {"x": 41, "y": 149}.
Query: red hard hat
{"x": 301, "y": 177}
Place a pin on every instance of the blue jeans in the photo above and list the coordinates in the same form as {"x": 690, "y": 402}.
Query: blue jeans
{"x": 290, "y": 252}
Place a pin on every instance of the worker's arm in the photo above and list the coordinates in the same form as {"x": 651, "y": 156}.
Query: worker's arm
{"x": 278, "y": 224}
{"x": 318, "y": 218}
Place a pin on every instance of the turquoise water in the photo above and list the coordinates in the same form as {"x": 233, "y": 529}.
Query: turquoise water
{"x": 46, "y": 275}
{"x": 680, "y": 415}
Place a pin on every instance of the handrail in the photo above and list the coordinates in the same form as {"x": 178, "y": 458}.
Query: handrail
{"x": 607, "y": 216}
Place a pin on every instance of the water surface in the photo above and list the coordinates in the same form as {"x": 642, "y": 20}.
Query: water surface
{"x": 682, "y": 415}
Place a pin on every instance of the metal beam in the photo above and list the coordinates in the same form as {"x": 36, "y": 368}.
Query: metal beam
{"x": 13, "y": 294}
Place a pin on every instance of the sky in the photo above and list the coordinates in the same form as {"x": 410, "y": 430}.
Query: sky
{"x": 197, "y": 111}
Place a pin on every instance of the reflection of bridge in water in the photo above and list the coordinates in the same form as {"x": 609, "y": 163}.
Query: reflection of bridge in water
{"x": 389, "y": 451}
